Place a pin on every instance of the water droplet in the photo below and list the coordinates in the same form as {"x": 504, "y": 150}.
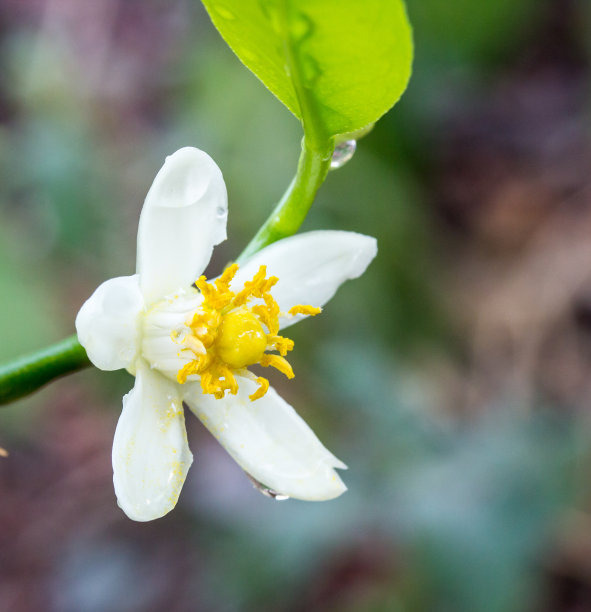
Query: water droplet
{"x": 180, "y": 335}
{"x": 221, "y": 212}
{"x": 266, "y": 491}
{"x": 224, "y": 13}
{"x": 343, "y": 152}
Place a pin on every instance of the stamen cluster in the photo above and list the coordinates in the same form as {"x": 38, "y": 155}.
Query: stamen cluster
{"x": 227, "y": 334}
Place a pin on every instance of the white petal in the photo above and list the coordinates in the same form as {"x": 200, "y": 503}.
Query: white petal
{"x": 183, "y": 218}
{"x": 151, "y": 456}
{"x": 310, "y": 266}
{"x": 270, "y": 442}
{"x": 160, "y": 348}
{"x": 108, "y": 323}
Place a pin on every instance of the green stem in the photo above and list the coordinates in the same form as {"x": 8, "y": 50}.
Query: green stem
{"x": 293, "y": 207}
{"x": 26, "y": 374}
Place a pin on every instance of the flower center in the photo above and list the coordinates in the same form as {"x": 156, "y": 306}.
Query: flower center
{"x": 241, "y": 340}
{"x": 231, "y": 331}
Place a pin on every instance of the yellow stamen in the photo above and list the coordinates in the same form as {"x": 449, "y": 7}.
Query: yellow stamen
{"x": 195, "y": 345}
{"x": 228, "y": 382}
{"x": 223, "y": 282}
{"x": 279, "y": 363}
{"x": 227, "y": 334}
{"x": 263, "y": 388}
{"x": 204, "y": 326}
{"x": 186, "y": 371}
{"x": 281, "y": 344}
{"x": 258, "y": 287}
{"x": 207, "y": 382}
{"x": 311, "y": 311}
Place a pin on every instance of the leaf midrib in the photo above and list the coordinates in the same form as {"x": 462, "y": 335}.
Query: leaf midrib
{"x": 315, "y": 132}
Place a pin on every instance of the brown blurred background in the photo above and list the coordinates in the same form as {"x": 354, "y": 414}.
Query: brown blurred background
{"x": 453, "y": 378}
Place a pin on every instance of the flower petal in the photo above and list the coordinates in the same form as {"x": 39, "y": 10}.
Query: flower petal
{"x": 151, "y": 456}
{"x": 270, "y": 442}
{"x": 107, "y": 323}
{"x": 183, "y": 218}
{"x": 310, "y": 266}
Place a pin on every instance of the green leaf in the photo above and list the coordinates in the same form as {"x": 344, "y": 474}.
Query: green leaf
{"x": 338, "y": 65}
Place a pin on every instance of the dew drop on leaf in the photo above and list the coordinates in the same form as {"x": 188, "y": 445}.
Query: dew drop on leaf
{"x": 343, "y": 152}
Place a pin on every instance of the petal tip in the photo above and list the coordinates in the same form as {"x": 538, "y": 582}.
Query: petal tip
{"x": 332, "y": 488}
{"x": 338, "y": 464}
{"x": 367, "y": 249}
{"x": 150, "y": 454}
{"x": 186, "y": 177}
{"x": 184, "y": 216}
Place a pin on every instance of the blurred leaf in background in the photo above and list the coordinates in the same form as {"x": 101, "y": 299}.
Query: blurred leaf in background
{"x": 452, "y": 378}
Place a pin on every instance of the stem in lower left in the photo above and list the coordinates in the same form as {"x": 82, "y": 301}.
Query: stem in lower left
{"x": 26, "y": 374}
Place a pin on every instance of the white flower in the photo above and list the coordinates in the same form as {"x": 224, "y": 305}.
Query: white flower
{"x": 195, "y": 346}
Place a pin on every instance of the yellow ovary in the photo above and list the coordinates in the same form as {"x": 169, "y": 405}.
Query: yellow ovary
{"x": 241, "y": 340}
{"x": 227, "y": 334}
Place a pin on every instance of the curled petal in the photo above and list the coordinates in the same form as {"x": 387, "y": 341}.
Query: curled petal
{"x": 151, "y": 456}
{"x": 270, "y": 441}
{"x": 183, "y": 218}
{"x": 310, "y": 267}
{"x": 108, "y": 323}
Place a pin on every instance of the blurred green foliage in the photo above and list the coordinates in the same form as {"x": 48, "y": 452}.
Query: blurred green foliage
{"x": 454, "y": 504}
{"x": 472, "y": 34}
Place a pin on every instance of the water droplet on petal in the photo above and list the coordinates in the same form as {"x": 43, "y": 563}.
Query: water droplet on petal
{"x": 266, "y": 491}
{"x": 180, "y": 334}
{"x": 343, "y": 152}
{"x": 221, "y": 212}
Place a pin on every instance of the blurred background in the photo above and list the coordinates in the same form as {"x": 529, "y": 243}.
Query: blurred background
{"x": 454, "y": 377}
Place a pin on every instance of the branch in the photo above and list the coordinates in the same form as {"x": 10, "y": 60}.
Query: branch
{"x": 26, "y": 374}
